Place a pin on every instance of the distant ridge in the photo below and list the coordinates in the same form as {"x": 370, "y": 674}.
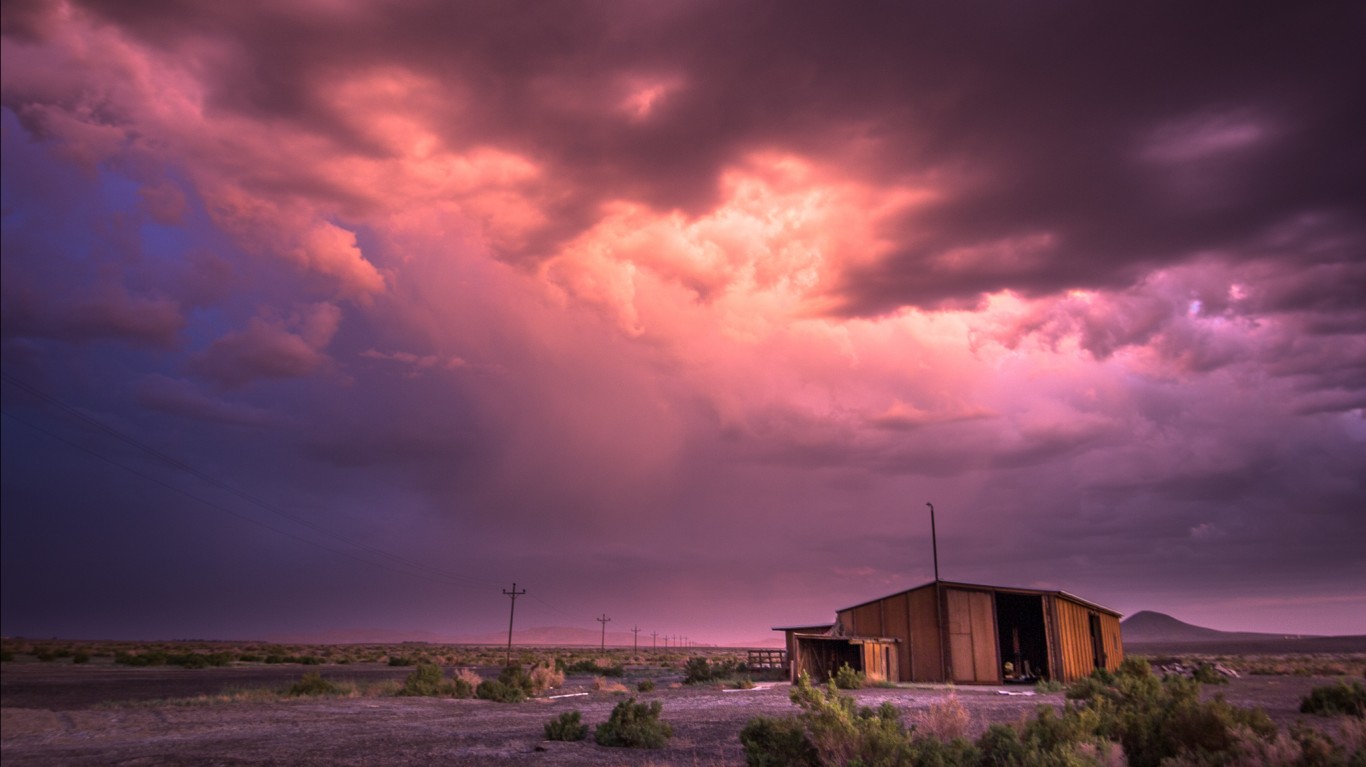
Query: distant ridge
{"x": 1149, "y": 633}
{"x": 1149, "y": 626}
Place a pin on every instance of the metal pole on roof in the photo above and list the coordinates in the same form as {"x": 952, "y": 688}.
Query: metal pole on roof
{"x": 934, "y": 542}
{"x": 938, "y": 599}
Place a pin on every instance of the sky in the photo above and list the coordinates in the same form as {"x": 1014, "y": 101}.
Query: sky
{"x": 331, "y": 317}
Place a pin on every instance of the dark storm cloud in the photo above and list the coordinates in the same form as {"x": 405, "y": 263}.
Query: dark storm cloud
{"x": 1089, "y": 277}
{"x": 1079, "y": 147}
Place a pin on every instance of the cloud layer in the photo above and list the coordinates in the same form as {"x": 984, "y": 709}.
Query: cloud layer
{"x": 634, "y": 303}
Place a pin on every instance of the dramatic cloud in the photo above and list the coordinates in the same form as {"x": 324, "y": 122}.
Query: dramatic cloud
{"x": 678, "y": 310}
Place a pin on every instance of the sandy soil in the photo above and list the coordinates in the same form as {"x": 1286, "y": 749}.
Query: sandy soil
{"x": 55, "y": 714}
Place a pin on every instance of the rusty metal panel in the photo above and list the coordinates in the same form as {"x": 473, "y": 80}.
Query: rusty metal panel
{"x": 985, "y": 647}
{"x": 897, "y": 619}
{"x": 972, "y": 637}
{"x": 926, "y": 655}
{"x": 867, "y": 620}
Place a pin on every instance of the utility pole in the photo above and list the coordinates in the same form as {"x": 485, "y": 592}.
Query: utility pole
{"x": 511, "y": 611}
{"x": 654, "y": 640}
{"x": 635, "y": 635}
{"x": 604, "y": 620}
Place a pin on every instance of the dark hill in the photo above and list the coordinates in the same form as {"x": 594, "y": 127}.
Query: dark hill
{"x": 1149, "y": 626}
{"x": 1149, "y": 633}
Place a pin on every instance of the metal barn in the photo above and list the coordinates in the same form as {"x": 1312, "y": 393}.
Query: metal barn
{"x": 964, "y": 633}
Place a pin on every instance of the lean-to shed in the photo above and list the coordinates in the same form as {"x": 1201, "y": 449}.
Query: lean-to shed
{"x": 965, "y": 633}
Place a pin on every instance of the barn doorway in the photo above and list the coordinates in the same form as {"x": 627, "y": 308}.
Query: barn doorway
{"x": 1023, "y": 637}
{"x": 821, "y": 656}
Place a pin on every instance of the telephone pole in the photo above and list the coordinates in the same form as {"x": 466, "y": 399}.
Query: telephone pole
{"x": 511, "y": 611}
{"x": 604, "y": 620}
{"x": 654, "y": 640}
{"x": 635, "y": 636}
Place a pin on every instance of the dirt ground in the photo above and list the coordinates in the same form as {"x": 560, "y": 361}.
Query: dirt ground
{"x": 62, "y": 714}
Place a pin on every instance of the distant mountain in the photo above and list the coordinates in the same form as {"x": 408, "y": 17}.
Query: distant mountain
{"x": 1148, "y": 626}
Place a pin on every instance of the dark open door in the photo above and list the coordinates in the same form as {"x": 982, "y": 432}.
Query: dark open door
{"x": 1097, "y": 641}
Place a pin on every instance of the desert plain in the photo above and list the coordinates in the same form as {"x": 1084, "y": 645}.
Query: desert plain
{"x": 99, "y": 712}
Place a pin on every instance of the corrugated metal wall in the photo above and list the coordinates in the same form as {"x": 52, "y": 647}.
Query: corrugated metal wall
{"x": 1076, "y": 648}
{"x": 923, "y": 638}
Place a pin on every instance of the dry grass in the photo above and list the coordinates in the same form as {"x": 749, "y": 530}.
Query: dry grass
{"x": 545, "y": 678}
{"x": 469, "y": 676}
{"x": 602, "y": 684}
{"x": 945, "y": 720}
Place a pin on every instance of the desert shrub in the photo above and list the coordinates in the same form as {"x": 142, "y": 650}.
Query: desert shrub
{"x": 645, "y": 685}
{"x": 1089, "y": 687}
{"x": 80, "y": 656}
{"x": 744, "y": 683}
{"x": 250, "y": 658}
{"x": 313, "y": 683}
{"x": 843, "y": 733}
{"x": 846, "y": 678}
{"x": 139, "y": 660}
{"x": 1205, "y": 673}
{"x": 1301, "y": 747}
{"x": 945, "y": 720}
{"x": 697, "y": 671}
{"x": 1336, "y": 700}
{"x": 426, "y": 680}
{"x": 634, "y": 725}
{"x": 492, "y": 689}
{"x": 774, "y": 742}
{"x": 6, "y": 655}
{"x": 1046, "y": 686}
{"x": 545, "y": 677}
{"x": 567, "y": 726}
{"x": 199, "y": 660}
{"x": 1001, "y": 746}
{"x": 1156, "y": 719}
{"x": 396, "y": 660}
{"x": 595, "y": 666}
{"x": 700, "y": 670}
{"x": 1134, "y": 719}
{"x": 516, "y": 676}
